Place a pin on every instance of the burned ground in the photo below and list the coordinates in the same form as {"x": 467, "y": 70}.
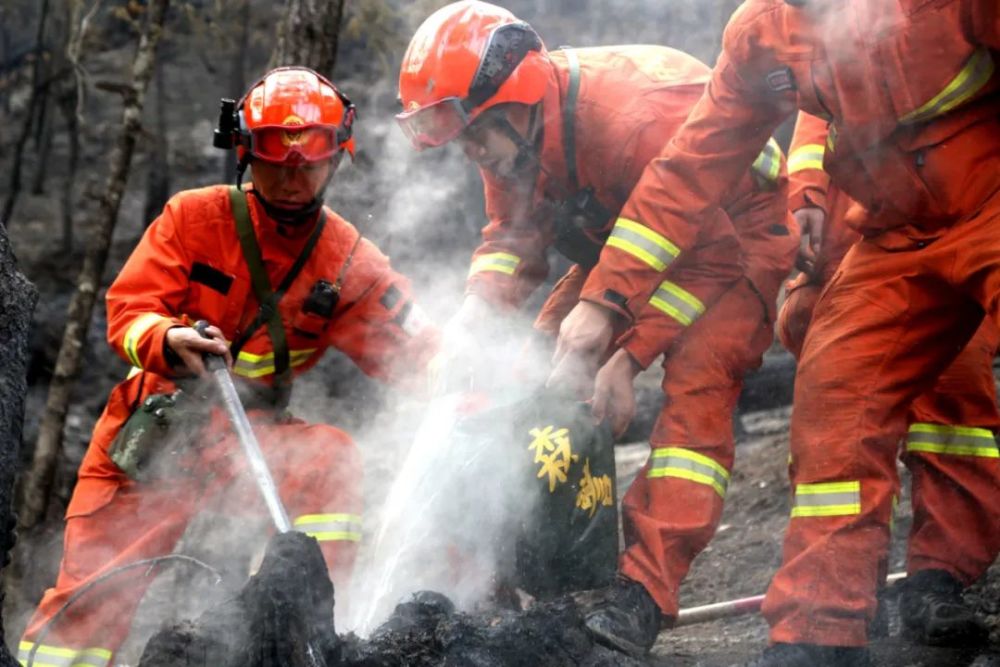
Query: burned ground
{"x": 426, "y": 630}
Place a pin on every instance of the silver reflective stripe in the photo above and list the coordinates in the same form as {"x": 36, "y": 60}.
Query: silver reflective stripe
{"x": 678, "y": 303}
{"x": 330, "y": 527}
{"x": 643, "y": 243}
{"x": 951, "y": 440}
{"x": 690, "y": 465}
{"x": 58, "y": 656}
{"x": 827, "y": 499}
{"x": 976, "y": 72}
{"x": 768, "y": 163}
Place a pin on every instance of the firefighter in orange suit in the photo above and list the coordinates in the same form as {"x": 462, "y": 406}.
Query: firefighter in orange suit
{"x": 911, "y": 93}
{"x": 561, "y": 139}
{"x": 961, "y": 410}
{"x": 332, "y": 288}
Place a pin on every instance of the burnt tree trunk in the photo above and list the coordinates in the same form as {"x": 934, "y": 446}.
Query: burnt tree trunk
{"x": 237, "y": 81}
{"x": 14, "y": 187}
{"x": 17, "y": 302}
{"x": 39, "y": 478}
{"x": 308, "y": 35}
{"x": 158, "y": 178}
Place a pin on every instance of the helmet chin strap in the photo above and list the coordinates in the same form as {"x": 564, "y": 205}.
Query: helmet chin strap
{"x": 293, "y": 217}
{"x": 526, "y": 153}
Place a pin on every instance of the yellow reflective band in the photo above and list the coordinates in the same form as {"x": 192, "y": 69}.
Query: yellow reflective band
{"x": 689, "y": 465}
{"x": 677, "y": 302}
{"x": 951, "y": 440}
{"x": 976, "y": 72}
{"x": 806, "y": 157}
{"x": 330, "y": 527}
{"x": 257, "y": 365}
{"x": 500, "y": 262}
{"x": 57, "y": 656}
{"x": 827, "y": 499}
{"x": 643, "y": 243}
{"x": 139, "y": 326}
{"x": 132, "y": 372}
{"x": 831, "y": 138}
{"x": 768, "y": 163}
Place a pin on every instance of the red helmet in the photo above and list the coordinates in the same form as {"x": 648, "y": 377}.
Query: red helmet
{"x": 465, "y": 58}
{"x": 294, "y": 115}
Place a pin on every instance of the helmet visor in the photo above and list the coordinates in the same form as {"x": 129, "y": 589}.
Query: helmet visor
{"x": 434, "y": 125}
{"x": 294, "y": 145}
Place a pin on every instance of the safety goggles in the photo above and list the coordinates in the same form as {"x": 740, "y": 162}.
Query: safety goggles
{"x": 442, "y": 121}
{"x": 294, "y": 145}
{"x": 434, "y": 125}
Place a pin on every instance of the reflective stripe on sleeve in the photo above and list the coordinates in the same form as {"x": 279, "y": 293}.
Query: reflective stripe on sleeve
{"x": 827, "y": 499}
{"x": 135, "y": 332}
{"x": 258, "y": 365}
{"x": 806, "y": 157}
{"x": 768, "y": 163}
{"x": 330, "y": 527}
{"x": 951, "y": 440}
{"x": 976, "y": 72}
{"x": 57, "y": 656}
{"x": 500, "y": 262}
{"x": 677, "y": 302}
{"x": 643, "y": 243}
{"x": 690, "y": 465}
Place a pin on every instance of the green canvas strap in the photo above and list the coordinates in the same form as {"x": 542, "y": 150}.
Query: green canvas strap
{"x": 569, "y": 113}
{"x": 268, "y": 299}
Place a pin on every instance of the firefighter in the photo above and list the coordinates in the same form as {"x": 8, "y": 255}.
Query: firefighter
{"x": 960, "y": 411}
{"x": 910, "y": 94}
{"x": 560, "y": 139}
{"x": 281, "y": 278}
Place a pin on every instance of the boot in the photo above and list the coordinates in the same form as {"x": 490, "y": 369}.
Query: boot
{"x": 812, "y": 655}
{"x": 624, "y": 617}
{"x": 932, "y": 611}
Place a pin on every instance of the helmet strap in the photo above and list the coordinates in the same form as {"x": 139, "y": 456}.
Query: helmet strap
{"x": 241, "y": 168}
{"x": 295, "y": 217}
{"x": 526, "y": 152}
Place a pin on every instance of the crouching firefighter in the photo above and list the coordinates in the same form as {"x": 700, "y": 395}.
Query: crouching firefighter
{"x": 281, "y": 278}
{"x": 561, "y": 138}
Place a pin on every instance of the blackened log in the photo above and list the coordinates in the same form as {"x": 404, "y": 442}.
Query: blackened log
{"x": 17, "y": 302}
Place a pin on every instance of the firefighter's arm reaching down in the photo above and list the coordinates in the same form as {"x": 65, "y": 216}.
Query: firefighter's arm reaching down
{"x": 679, "y": 191}
{"x": 510, "y": 262}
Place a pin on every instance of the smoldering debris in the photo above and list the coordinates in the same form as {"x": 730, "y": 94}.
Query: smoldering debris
{"x": 288, "y": 604}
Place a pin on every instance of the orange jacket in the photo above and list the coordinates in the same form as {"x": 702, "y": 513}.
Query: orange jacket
{"x": 632, "y": 99}
{"x": 189, "y": 266}
{"x": 896, "y": 78}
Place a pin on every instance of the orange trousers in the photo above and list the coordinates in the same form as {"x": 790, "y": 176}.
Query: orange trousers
{"x": 673, "y": 507}
{"x": 900, "y": 311}
{"x": 113, "y": 521}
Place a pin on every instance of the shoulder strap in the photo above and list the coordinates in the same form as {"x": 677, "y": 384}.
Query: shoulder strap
{"x": 569, "y": 114}
{"x": 268, "y": 300}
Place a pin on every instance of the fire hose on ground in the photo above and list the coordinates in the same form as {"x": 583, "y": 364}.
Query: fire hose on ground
{"x": 738, "y": 607}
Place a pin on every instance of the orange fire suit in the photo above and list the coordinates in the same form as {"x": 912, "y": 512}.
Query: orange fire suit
{"x": 711, "y": 314}
{"x": 911, "y": 92}
{"x": 963, "y": 401}
{"x": 189, "y": 266}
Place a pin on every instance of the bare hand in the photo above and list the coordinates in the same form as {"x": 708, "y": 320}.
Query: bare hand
{"x": 614, "y": 393}
{"x": 189, "y": 345}
{"x": 584, "y": 336}
{"x": 810, "y": 220}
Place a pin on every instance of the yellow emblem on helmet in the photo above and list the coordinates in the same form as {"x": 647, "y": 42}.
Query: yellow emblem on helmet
{"x": 292, "y": 137}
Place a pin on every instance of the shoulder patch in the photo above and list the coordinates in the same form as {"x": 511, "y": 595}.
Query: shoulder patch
{"x": 780, "y": 80}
